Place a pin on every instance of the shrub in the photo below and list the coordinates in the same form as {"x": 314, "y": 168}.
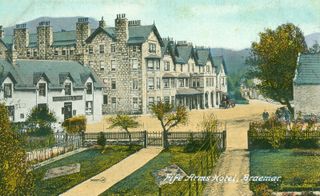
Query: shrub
{"x": 262, "y": 190}
{"x": 75, "y": 124}
{"x": 101, "y": 140}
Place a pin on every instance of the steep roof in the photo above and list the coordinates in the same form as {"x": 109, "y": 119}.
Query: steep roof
{"x": 308, "y": 71}
{"x": 28, "y": 72}
{"x": 203, "y": 55}
{"x": 185, "y": 52}
{"x": 218, "y": 61}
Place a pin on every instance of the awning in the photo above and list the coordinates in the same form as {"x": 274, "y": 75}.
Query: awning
{"x": 188, "y": 91}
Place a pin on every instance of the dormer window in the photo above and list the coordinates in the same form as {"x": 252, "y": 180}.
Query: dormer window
{"x": 89, "y": 88}
{"x": 152, "y": 47}
{"x": 7, "y": 90}
{"x": 90, "y": 49}
{"x": 42, "y": 89}
{"x": 67, "y": 89}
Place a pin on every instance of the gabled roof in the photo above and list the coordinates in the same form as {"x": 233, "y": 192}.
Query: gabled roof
{"x": 218, "y": 62}
{"x": 185, "y": 52}
{"x": 203, "y": 55}
{"x": 63, "y": 76}
{"x": 308, "y": 70}
{"x": 28, "y": 72}
{"x": 96, "y": 32}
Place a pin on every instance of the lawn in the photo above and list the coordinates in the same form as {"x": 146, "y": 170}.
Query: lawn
{"x": 142, "y": 181}
{"x": 299, "y": 168}
{"x": 92, "y": 161}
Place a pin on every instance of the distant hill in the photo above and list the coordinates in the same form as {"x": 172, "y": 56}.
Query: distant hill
{"x": 312, "y": 38}
{"x": 58, "y": 24}
{"x": 234, "y": 59}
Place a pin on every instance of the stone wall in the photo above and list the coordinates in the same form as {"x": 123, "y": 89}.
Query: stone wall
{"x": 306, "y": 99}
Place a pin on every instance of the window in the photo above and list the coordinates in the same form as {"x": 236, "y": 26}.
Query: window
{"x": 28, "y": 53}
{"x": 181, "y": 68}
{"x": 181, "y": 82}
{"x": 166, "y": 83}
{"x": 89, "y": 108}
{"x": 167, "y": 99}
{"x": 64, "y": 52}
{"x": 22, "y": 116}
{"x": 192, "y": 67}
{"x": 67, "y": 89}
{"x": 158, "y": 99}
{"x": 35, "y": 53}
{"x": 166, "y": 66}
{"x": 152, "y": 47}
{"x": 194, "y": 84}
{"x": 7, "y": 91}
{"x": 71, "y": 52}
{"x": 173, "y": 83}
{"x": 172, "y": 100}
{"x": 134, "y": 84}
{"x": 153, "y": 63}
{"x": 158, "y": 83}
{"x": 198, "y": 82}
{"x": 135, "y": 102}
{"x": 89, "y": 88}
{"x": 113, "y": 84}
{"x": 222, "y": 81}
{"x": 134, "y": 63}
{"x": 113, "y": 65}
{"x": 10, "y": 110}
{"x": 105, "y": 99}
{"x": 113, "y": 48}
{"x": 102, "y": 65}
{"x": 113, "y": 102}
{"x": 42, "y": 89}
{"x": 101, "y": 49}
{"x": 56, "y": 52}
{"x": 151, "y": 101}
{"x": 150, "y": 83}
{"x": 90, "y": 49}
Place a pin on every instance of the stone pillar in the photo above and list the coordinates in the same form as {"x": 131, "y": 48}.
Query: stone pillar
{"x": 45, "y": 40}
{"x": 21, "y": 40}
{"x": 123, "y": 70}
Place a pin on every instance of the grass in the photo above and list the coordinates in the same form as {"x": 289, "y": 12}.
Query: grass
{"x": 92, "y": 161}
{"x": 142, "y": 181}
{"x": 299, "y": 168}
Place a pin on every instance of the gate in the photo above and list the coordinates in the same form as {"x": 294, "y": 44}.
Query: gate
{"x": 154, "y": 139}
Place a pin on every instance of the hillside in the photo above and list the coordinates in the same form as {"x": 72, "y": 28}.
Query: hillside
{"x": 58, "y": 24}
{"x": 312, "y": 39}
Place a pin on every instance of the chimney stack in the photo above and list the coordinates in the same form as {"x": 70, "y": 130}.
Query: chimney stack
{"x": 121, "y": 28}
{"x": 1, "y": 32}
{"x": 102, "y": 23}
{"x": 45, "y": 39}
{"x": 83, "y": 31}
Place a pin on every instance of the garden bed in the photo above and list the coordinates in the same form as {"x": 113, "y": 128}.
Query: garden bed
{"x": 92, "y": 162}
{"x": 298, "y": 168}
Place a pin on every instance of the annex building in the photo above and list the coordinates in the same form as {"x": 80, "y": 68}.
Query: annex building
{"x": 135, "y": 64}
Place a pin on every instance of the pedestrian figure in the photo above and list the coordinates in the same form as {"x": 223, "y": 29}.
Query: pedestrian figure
{"x": 265, "y": 115}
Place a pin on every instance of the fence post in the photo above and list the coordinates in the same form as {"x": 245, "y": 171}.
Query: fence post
{"x": 145, "y": 139}
{"x": 190, "y": 186}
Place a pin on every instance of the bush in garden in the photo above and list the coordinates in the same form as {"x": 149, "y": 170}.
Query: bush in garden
{"x": 77, "y": 124}
{"x": 101, "y": 140}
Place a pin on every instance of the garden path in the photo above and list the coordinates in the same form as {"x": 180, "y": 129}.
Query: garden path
{"x": 101, "y": 182}
{"x": 235, "y": 160}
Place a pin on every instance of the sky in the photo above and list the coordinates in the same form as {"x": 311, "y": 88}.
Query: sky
{"x": 233, "y": 24}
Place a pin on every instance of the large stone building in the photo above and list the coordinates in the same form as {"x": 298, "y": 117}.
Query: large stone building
{"x": 136, "y": 65}
{"x": 306, "y": 85}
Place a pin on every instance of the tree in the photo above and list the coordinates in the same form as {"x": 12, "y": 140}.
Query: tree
{"x": 40, "y": 119}
{"x": 14, "y": 177}
{"x": 273, "y": 61}
{"x": 169, "y": 118}
{"x": 101, "y": 140}
{"x": 315, "y": 48}
{"x": 125, "y": 122}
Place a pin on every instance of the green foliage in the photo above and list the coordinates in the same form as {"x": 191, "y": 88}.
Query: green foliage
{"x": 125, "y": 122}
{"x": 14, "y": 178}
{"x": 92, "y": 161}
{"x": 101, "y": 140}
{"x": 273, "y": 61}
{"x": 315, "y": 48}
{"x": 262, "y": 190}
{"x": 169, "y": 117}
{"x": 40, "y": 116}
{"x": 77, "y": 124}
{"x": 298, "y": 168}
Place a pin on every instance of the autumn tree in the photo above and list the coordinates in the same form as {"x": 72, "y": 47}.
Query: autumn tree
{"x": 125, "y": 122}
{"x": 273, "y": 61}
{"x": 169, "y": 117}
{"x": 14, "y": 177}
{"x": 40, "y": 119}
